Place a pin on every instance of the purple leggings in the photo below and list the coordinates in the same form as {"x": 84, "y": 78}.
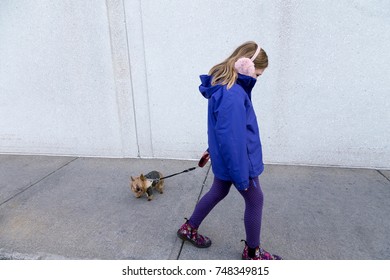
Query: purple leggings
{"x": 253, "y": 197}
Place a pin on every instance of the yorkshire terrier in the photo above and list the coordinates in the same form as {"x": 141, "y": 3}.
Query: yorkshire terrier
{"x": 144, "y": 184}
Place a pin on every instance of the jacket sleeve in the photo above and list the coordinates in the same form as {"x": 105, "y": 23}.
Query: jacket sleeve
{"x": 231, "y": 136}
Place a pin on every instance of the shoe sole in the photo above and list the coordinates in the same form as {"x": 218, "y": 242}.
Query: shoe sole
{"x": 276, "y": 258}
{"x": 184, "y": 238}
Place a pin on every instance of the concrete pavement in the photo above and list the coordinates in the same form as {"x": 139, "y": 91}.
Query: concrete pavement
{"x": 82, "y": 208}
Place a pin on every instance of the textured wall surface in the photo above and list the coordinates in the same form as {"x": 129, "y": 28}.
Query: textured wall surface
{"x": 120, "y": 78}
{"x": 56, "y": 79}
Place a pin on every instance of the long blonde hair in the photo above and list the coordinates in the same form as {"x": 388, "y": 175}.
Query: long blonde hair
{"x": 224, "y": 72}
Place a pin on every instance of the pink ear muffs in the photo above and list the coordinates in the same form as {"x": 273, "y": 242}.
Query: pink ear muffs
{"x": 245, "y": 66}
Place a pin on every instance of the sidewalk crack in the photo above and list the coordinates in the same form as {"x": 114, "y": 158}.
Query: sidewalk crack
{"x": 203, "y": 184}
{"x": 383, "y": 175}
{"x": 38, "y": 181}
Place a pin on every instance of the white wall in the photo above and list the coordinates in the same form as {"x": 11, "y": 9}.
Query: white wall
{"x": 57, "y": 80}
{"x": 120, "y": 78}
{"x": 328, "y": 100}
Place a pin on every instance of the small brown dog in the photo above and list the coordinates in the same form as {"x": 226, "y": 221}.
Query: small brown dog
{"x": 145, "y": 184}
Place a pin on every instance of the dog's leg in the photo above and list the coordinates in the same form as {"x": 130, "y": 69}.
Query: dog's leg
{"x": 149, "y": 193}
{"x": 160, "y": 186}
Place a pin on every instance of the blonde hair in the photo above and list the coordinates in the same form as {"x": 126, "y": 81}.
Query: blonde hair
{"x": 224, "y": 72}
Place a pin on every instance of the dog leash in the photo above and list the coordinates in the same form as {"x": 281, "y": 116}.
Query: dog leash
{"x": 184, "y": 171}
{"x": 202, "y": 162}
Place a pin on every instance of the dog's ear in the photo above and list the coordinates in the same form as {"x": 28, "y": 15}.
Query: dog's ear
{"x": 142, "y": 177}
{"x": 132, "y": 179}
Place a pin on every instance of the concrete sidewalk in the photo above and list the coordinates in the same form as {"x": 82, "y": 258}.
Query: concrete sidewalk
{"x": 82, "y": 208}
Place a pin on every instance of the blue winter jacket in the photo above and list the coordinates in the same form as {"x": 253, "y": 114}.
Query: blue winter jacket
{"x": 233, "y": 134}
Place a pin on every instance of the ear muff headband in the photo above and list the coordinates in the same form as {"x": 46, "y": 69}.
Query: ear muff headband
{"x": 256, "y": 53}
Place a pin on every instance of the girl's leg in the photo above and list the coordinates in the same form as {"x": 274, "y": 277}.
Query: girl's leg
{"x": 254, "y": 198}
{"x": 189, "y": 230}
{"x": 252, "y": 218}
{"x": 217, "y": 192}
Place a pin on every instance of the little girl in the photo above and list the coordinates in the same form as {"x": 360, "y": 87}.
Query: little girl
{"x": 234, "y": 146}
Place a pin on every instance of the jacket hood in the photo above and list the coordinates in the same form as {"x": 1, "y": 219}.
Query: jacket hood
{"x": 207, "y": 89}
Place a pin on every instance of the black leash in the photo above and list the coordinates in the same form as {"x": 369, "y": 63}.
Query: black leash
{"x": 201, "y": 163}
{"x": 184, "y": 171}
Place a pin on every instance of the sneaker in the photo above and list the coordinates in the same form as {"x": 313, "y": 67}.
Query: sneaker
{"x": 189, "y": 233}
{"x": 260, "y": 254}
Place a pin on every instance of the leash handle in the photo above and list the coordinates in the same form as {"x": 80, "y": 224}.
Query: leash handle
{"x": 204, "y": 159}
